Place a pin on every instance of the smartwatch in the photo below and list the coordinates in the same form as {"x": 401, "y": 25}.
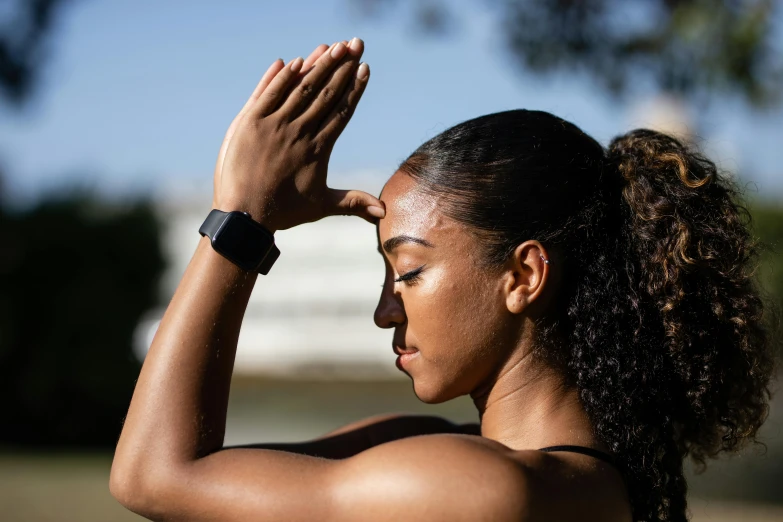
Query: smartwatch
{"x": 238, "y": 238}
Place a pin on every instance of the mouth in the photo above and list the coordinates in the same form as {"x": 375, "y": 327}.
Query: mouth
{"x": 404, "y": 356}
{"x": 403, "y": 350}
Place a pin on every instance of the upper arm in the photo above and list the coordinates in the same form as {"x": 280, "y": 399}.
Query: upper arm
{"x": 430, "y": 477}
{"x": 359, "y": 436}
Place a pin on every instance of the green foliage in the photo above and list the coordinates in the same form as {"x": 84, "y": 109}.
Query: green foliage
{"x": 693, "y": 48}
{"x": 768, "y": 225}
{"x": 24, "y": 28}
{"x": 75, "y": 277}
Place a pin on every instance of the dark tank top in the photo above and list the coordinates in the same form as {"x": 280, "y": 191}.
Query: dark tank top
{"x": 584, "y": 451}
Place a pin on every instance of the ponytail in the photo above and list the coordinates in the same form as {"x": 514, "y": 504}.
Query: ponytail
{"x": 696, "y": 356}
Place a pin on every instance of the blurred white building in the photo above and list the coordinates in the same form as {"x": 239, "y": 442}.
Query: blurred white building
{"x": 664, "y": 113}
{"x": 312, "y": 316}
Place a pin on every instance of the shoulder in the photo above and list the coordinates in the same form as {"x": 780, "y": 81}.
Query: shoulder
{"x": 442, "y": 477}
{"x": 463, "y": 477}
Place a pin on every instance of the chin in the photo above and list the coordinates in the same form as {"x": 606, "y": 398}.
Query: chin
{"x": 433, "y": 393}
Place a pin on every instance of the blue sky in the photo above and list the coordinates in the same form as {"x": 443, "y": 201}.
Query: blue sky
{"x": 136, "y": 95}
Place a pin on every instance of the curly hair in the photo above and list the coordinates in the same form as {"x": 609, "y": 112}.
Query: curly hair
{"x": 658, "y": 322}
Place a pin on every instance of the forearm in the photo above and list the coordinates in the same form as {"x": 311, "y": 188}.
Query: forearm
{"x": 178, "y": 410}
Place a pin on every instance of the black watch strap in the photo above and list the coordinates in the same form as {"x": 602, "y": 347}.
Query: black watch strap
{"x": 211, "y": 225}
{"x": 217, "y": 218}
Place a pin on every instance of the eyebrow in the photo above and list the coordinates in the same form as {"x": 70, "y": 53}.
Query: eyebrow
{"x": 393, "y": 242}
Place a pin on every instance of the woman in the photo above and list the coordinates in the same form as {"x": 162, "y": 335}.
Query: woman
{"x": 598, "y": 306}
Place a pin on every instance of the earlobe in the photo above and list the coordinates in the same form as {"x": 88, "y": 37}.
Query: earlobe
{"x": 516, "y": 288}
{"x": 516, "y": 301}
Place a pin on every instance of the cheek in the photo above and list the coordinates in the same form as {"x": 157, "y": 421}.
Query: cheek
{"x": 456, "y": 326}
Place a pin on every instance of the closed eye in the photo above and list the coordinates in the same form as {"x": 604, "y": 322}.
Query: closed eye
{"x": 411, "y": 277}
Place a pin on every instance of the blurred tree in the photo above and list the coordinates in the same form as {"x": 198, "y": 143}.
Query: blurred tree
{"x": 24, "y": 26}
{"x": 75, "y": 277}
{"x": 688, "y": 48}
{"x": 768, "y": 225}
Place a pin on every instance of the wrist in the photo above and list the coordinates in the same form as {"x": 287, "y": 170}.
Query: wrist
{"x": 258, "y": 215}
{"x": 240, "y": 239}
{"x": 216, "y": 260}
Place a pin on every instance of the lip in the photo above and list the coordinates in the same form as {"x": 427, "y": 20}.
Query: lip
{"x": 404, "y": 355}
{"x": 405, "y": 359}
{"x": 401, "y": 350}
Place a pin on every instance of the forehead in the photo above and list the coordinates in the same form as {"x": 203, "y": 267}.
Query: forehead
{"x": 411, "y": 212}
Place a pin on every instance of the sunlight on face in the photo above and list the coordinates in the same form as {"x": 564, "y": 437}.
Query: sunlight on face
{"x": 443, "y": 306}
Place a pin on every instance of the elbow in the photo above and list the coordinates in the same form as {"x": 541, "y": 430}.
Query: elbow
{"x": 138, "y": 489}
{"x": 129, "y": 487}
{"x": 122, "y": 485}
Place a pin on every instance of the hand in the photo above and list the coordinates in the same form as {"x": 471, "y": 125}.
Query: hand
{"x": 275, "y": 155}
{"x": 268, "y": 75}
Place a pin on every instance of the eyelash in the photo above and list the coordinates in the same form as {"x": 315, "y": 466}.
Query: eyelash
{"x": 411, "y": 278}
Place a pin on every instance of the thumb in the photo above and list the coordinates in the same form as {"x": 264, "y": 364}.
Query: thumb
{"x": 355, "y": 203}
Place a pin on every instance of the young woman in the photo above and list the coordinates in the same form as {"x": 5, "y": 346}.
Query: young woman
{"x": 597, "y": 305}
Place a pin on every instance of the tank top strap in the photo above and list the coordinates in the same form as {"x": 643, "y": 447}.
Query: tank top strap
{"x": 584, "y": 451}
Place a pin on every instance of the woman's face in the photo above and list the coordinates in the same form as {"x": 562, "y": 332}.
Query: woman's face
{"x": 450, "y": 312}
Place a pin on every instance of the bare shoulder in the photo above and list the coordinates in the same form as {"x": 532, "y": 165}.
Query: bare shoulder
{"x": 464, "y": 477}
{"x": 432, "y": 477}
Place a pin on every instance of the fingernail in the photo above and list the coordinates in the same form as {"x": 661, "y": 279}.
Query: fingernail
{"x": 354, "y": 45}
{"x": 376, "y": 211}
{"x": 338, "y": 50}
{"x": 363, "y": 71}
{"x": 296, "y": 65}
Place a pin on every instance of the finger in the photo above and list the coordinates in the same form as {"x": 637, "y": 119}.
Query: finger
{"x": 334, "y": 89}
{"x": 310, "y": 85}
{"x": 265, "y": 79}
{"x": 310, "y": 60}
{"x": 354, "y": 203}
{"x": 355, "y": 50}
{"x": 334, "y": 124}
{"x": 270, "y": 73}
{"x": 277, "y": 89}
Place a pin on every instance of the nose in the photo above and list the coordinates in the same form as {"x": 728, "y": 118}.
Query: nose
{"x": 389, "y": 312}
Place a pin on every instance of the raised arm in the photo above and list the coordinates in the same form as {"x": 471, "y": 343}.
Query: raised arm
{"x": 274, "y": 167}
{"x": 169, "y": 463}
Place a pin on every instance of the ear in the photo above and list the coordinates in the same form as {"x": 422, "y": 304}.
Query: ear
{"x": 526, "y": 276}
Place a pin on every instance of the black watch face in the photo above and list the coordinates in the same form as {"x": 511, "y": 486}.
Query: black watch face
{"x": 241, "y": 241}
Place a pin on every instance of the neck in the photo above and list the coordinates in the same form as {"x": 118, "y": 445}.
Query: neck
{"x": 528, "y": 406}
